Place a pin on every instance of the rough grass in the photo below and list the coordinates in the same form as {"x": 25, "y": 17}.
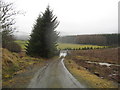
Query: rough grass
{"x": 18, "y": 68}
{"x": 84, "y": 76}
{"x": 14, "y": 63}
{"x": 81, "y": 57}
{"x": 109, "y": 55}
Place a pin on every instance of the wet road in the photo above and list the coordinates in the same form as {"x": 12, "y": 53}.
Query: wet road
{"x": 54, "y": 75}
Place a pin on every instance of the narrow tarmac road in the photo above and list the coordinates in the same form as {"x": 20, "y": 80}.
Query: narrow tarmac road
{"x": 54, "y": 75}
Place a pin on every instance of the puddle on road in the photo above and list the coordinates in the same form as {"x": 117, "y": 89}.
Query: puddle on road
{"x": 76, "y": 83}
{"x": 63, "y": 53}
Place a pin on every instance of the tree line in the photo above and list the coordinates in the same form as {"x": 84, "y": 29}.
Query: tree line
{"x": 97, "y": 39}
{"x": 85, "y": 48}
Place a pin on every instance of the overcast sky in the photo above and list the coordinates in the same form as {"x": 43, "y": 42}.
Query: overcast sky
{"x": 75, "y": 16}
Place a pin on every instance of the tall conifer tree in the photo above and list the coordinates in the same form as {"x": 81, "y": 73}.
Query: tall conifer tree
{"x": 43, "y": 41}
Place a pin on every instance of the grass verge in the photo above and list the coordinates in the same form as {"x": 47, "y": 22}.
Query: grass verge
{"x": 91, "y": 80}
{"x": 17, "y": 68}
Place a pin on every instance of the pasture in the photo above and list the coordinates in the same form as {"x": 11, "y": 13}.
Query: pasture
{"x": 65, "y": 46}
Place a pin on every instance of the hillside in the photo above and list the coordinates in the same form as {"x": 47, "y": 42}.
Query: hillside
{"x": 16, "y": 63}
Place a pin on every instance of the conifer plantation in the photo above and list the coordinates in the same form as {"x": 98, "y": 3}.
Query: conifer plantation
{"x": 43, "y": 39}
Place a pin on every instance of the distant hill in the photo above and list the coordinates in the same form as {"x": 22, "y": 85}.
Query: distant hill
{"x": 96, "y": 39}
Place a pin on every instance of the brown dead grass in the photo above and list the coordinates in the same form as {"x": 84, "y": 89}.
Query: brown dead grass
{"x": 103, "y": 55}
{"x": 87, "y": 78}
{"x": 109, "y": 55}
{"x": 14, "y": 63}
{"x": 18, "y": 68}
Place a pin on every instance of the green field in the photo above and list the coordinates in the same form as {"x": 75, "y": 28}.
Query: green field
{"x": 64, "y": 45}
{"x": 22, "y": 43}
{"x": 77, "y": 46}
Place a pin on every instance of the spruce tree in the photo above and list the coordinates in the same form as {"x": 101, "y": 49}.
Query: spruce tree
{"x": 43, "y": 40}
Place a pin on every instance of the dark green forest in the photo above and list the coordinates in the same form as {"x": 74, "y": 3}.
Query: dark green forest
{"x": 97, "y": 39}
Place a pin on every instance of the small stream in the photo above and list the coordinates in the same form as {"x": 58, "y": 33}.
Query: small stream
{"x": 63, "y": 53}
{"x": 107, "y": 64}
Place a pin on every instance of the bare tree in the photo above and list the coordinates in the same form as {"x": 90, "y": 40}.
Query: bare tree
{"x": 7, "y": 14}
{"x": 7, "y": 21}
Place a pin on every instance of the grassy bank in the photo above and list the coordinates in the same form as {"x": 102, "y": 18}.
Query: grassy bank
{"x": 84, "y": 60}
{"x": 18, "y": 68}
{"x": 87, "y": 78}
{"x": 14, "y": 64}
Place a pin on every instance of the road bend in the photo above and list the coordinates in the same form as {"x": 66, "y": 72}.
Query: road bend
{"x": 55, "y": 75}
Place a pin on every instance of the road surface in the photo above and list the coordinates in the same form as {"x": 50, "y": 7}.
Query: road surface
{"x": 55, "y": 75}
